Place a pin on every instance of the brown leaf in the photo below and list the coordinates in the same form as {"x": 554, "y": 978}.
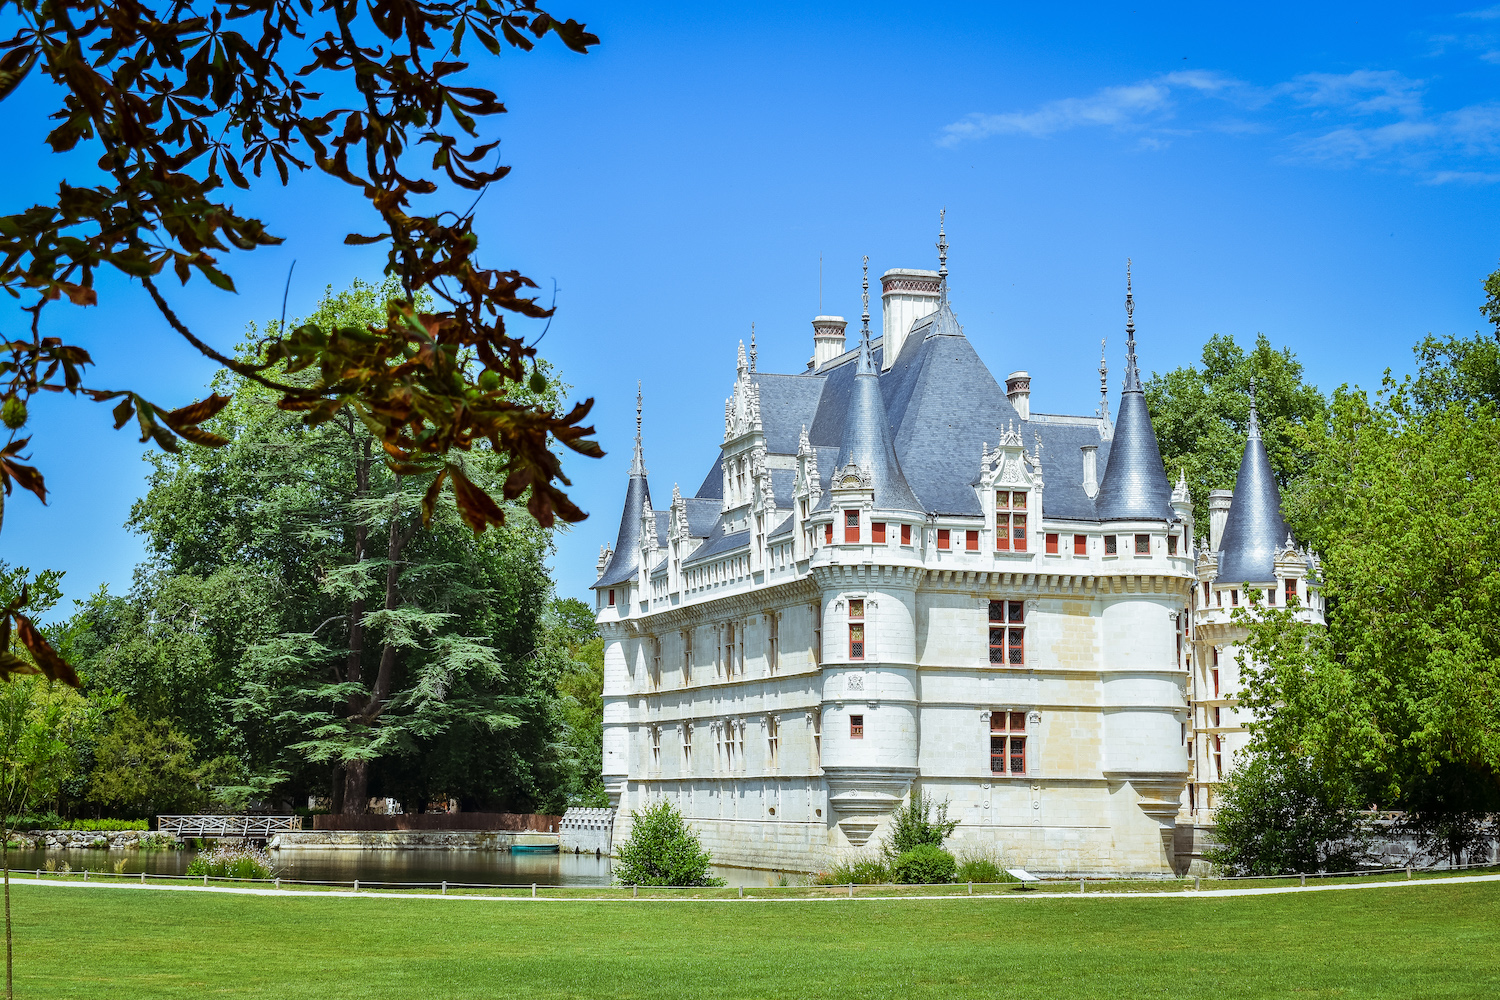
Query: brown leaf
{"x": 197, "y": 412}
{"x": 54, "y": 666}
{"x": 476, "y": 506}
{"x": 429, "y": 502}
{"x": 10, "y": 664}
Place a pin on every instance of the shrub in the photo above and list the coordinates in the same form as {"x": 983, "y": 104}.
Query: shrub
{"x": 662, "y": 851}
{"x": 53, "y": 821}
{"x": 924, "y": 864}
{"x": 159, "y": 842}
{"x": 981, "y": 864}
{"x": 232, "y": 862}
{"x": 1277, "y": 815}
{"x": 870, "y": 870}
{"x": 913, "y": 826}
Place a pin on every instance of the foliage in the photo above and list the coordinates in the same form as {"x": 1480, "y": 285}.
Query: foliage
{"x": 17, "y": 591}
{"x": 924, "y": 864}
{"x": 149, "y": 767}
{"x": 858, "y": 870}
{"x": 913, "y": 826}
{"x": 172, "y": 103}
{"x": 52, "y": 821}
{"x": 295, "y": 617}
{"x": 1401, "y": 693}
{"x": 572, "y": 632}
{"x": 662, "y": 851}
{"x": 232, "y": 861}
{"x": 1201, "y": 414}
{"x": 1281, "y": 816}
{"x": 981, "y": 864}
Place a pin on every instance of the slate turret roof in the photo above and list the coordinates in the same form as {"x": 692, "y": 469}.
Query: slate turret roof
{"x": 866, "y": 441}
{"x": 1255, "y": 529}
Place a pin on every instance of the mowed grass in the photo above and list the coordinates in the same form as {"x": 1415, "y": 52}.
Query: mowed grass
{"x": 1418, "y": 941}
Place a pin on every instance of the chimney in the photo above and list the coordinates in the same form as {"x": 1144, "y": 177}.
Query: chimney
{"x": 905, "y": 297}
{"x": 1018, "y": 391}
{"x": 1091, "y": 469}
{"x": 1218, "y": 513}
{"x": 828, "y": 339}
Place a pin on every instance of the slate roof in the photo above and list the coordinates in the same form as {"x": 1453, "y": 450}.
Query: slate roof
{"x": 719, "y": 541}
{"x": 1255, "y": 530}
{"x": 1134, "y": 486}
{"x": 866, "y": 441}
{"x": 627, "y": 556}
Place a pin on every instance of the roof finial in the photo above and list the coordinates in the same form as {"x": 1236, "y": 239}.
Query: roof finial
{"x": 752, "y": 345}
{"x": 942, "y": 249}
{"x": 864, "y": 317}
{"x": 1132, "y": 375}
{"x": 1103, "y": 377}
{"x": 638, "y": 460}
{"x": 1254, "y": 431}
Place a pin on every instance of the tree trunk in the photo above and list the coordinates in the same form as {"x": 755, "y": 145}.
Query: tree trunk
{"x": 349, "y": 793}
{"x": 356, "y": 788}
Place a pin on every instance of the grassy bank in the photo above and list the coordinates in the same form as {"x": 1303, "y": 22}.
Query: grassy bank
{"x": 1428, "y": 941}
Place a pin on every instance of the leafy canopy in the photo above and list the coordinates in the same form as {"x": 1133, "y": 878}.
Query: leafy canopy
{"x": 662, "y": 851}
{"x": 178, "y": 101}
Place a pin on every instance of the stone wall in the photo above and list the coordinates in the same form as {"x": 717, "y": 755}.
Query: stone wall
{"x": 407, "y": 840}
{"x": 586, "y": 831}
{"x": 113, "y": 840}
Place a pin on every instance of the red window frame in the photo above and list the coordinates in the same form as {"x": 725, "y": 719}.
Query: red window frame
{"x": 611, "y": 597}
{"x": 1007, "y": 742}
{"x": 828, "y": 533}
{"x": 1080, "y": 545}
{"x": 971, "y": 541}
{"x": 856, "y": 727}
{"x": 906, "y": 534}
{"x": 851, "y": 526}
{"x": 943, "y": 538}
{"x": 877, "y": 532}
{"x": 1010, "y": 521}
{"x": 1051, "y": 543}
{"x": 857, "y": 629}
{"x": 1291, "y": 589}
{"x": 1007, "y": 629}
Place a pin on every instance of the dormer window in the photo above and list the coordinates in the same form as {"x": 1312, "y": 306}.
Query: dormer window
{"x": 1010, "y": 521}
{"x": 1291, "y": 590}
{"x": 851, "y": 526}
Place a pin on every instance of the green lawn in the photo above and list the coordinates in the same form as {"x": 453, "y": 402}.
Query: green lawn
{"x": 1423, "y": 941}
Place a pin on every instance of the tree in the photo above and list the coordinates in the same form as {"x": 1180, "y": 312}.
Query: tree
{"x": 295, "y": 615}
{"x": 573, "y": 634}
{"x": 1401, "y": 693}
{"x": 1201, "y": 415}
{"x": 178, "y": 101}
{"x": 143, "y": 768}
{"x": 1281, "y": 816}
{"x": 662, "y": 851}
{"x": 914, "y": 826}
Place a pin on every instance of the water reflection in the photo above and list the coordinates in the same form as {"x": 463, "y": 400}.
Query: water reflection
{"x": 315, "y": 865}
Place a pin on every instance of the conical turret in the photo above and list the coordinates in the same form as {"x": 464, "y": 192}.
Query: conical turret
{"x": 625, "y": 561}
{"x": 1135, "y": 486}
{"x": 867, "y": 433}
{"x": 1255, "y": 530}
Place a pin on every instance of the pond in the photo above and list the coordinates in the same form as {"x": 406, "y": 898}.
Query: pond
{"x": 314, "y": 865}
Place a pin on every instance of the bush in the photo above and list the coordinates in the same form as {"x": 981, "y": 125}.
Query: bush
{"x": 662, "y": 851}
{"x": 924, "y": 864}
{"x": 913, "y": 826}
{"x": 860, "y": 871}
{"x": 56, "y": 822}
{"x": 982, "y": 864}
{"x": 159, "y": 842}
{"x": 1276, "y": 815}
{"x": 232, "y": 862}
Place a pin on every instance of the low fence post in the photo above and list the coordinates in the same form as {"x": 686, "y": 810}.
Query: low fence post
{"x": 278, "y": 881}
{"x": 971, "y": 888}
{"x": 143, "y": 878}
{"x": 444, "y": 891}
{"x": 635, "y": 891}
{"x": 1408, "y": 873}
{"x": 1197, "y": 883}
{"x": 851, "y": 890}
{"x": 1304, "y": 879}
{"x": 85, "y": 874}
{"x": 533, "y": 890}
{"x": 356, "y": 885}
{"x": 205, "y": 878}
{"x": 742, "y": 892}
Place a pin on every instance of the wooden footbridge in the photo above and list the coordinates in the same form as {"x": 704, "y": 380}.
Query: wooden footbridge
{"x": 228, "y": 827}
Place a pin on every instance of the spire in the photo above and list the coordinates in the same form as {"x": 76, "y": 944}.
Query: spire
{"x": 867, "y": 442}
{"x": 752, "y": 345}
{"x": 1135, "y": 485}
{"x": 942, "y": 249}
{"x": 1254, "y": 429}
{"x": 1132, "y": 376}
{"x": 741, "y": 365}
{"x": 1103, "y": 380}
{"x": 638, "y": 461}
{"x": 1255, "y": 530}
{"x": 864, "y": 317}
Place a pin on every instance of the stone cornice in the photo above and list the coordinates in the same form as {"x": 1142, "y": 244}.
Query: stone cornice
{"x": 737, "y": 605}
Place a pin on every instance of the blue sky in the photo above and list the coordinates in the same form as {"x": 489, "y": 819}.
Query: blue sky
{"x": 1326, "y": 175}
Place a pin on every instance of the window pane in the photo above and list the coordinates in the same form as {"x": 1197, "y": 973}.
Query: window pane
{"x": 1142, "y": 545}
{"x": 857, "y": 608}
{"x": 856, "y": 727}
{"x": 997, "y": 611}
{"x": 1018, "y": 755}
{"x": 1171, "y": 545}
{"x": 877, "y": 531}
{"x": 1018, "y": 722}
{"x": 906, "y": 534}
{"x": 1080, "y": 545}
{"x": 971, "y": 541}
{"x": 1109, "y": 545}
{"x": 1017, "y": 646}
{"x": 942, "y": 538}
{"x": 1002, "y": 532}
{"x": 851, "y": 518}
{"x": 1051, "y": 543}
{"x": 1002, "y": 500}
{"x": 1018, "y": 501}
{"x": 1017, "y": 611}
{"x": 997, "y": 722}
{"x": 997, "y": 754}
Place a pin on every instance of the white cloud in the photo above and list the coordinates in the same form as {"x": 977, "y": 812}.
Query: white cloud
{"x": 1124, "y": 106}
{"x": 1363, "y": 91}
{"x": 1463, "y": 177}
{"x": 1470, "y": 131}
{"x": 1484, "y": 13}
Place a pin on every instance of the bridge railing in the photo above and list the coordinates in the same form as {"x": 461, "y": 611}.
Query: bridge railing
{"x": 228, "y": 827}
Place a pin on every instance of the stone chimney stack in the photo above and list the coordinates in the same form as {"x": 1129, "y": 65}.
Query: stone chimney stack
{"x": 905, "y": 296}
{"x": 1218, "y": 513}
{"x": 828, "y": 339}
{"x": 1018, "y": 391}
